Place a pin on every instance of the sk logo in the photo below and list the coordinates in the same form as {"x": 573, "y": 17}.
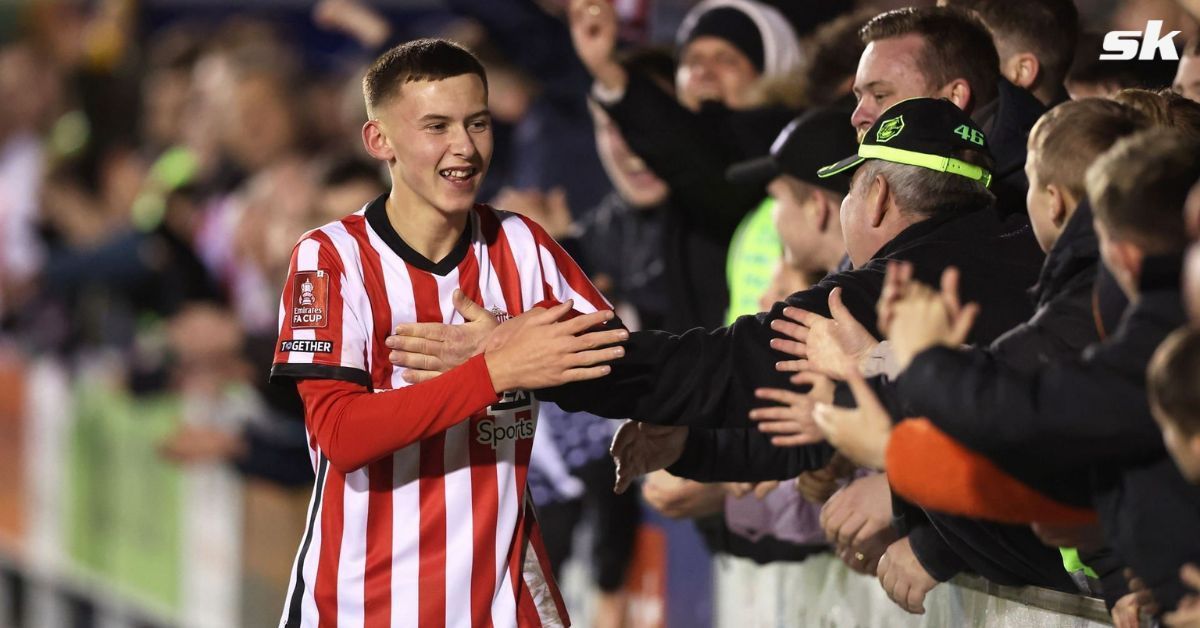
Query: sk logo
{"x": 889, "y": 129}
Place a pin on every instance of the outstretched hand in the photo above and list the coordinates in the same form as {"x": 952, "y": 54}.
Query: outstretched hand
{"x": 639, "y": 448}
{"x": 542, "y": 348}
{"x": 791, "y": 423}
{"x": 922, "y": 318}
{"x": 833, "y": 346}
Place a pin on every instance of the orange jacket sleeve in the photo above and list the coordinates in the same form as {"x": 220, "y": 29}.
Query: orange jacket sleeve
{"x": 928, "y": 468}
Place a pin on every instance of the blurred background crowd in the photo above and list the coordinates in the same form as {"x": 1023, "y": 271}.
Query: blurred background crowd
{"x": 160, "y": 158}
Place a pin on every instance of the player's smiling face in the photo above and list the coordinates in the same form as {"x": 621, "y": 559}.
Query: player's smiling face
{"x": 438, "y": 141}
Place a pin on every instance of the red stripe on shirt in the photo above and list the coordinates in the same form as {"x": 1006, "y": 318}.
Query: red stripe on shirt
{"x": 325, "y": 591}
{"x": 576, "y": 278}
{"x": 377, "y": 583}
{"x": 501, "y": 255}
{"x": 484, "y": 493}
{"x": 431, "y": 605}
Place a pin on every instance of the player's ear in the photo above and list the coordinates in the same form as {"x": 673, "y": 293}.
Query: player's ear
{"x": 376, "y": 142}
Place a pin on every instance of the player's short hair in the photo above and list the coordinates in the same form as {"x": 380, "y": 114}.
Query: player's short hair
{"x": 1068, "y": 138}
{"x": 417, "y": 60}
{"x": 1172, "y": 380}
{"x": 957, "y": 45}
{"x": 1047, "y": 28}
{"x": 1138, "y": 187}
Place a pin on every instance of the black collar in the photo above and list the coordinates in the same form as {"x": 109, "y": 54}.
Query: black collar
{"x": 378, "y": 219}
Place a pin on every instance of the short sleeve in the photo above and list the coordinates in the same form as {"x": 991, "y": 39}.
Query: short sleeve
{"x": 562, "y": 277}
{"x": 321, "y": 334}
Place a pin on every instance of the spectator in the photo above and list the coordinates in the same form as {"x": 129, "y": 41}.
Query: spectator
{"x": 689, "y": 140}
{"x": 1062, "y": 145}
{"x": 1171, "y": 378}
{"x": 1036, "y": 44}
{"x": 1136, "y": 190}
{"x": 943, "y": 52}
{"x": 1165, "y": 108}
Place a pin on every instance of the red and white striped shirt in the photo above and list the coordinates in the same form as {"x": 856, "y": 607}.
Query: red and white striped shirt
{"x": 420, "y": 514}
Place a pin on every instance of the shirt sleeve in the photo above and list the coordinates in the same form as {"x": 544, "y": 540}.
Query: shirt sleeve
{"x": 562, "y": 279}
{"x": 321, "y": 332}
{"x": 353, "y": 426}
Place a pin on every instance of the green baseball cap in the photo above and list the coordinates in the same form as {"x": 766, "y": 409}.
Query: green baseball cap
{"x": 924, "y": 132}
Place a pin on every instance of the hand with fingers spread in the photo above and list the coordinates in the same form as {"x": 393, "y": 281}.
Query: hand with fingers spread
{"x": 540, "y": 350}
{"x": 427, "y": 350}
{"x": 903, "y": 578}
{"x": 857, "y": 520}
{"x": 791, "y": 422}
{"x": 924, "y": 318}
{"x": 861, "y": 433}
{"x": 1187, "y": 613}
{"x": 640, "y": 448}
{"x": 830, "y": 346}
{"x": 594, "y": 27}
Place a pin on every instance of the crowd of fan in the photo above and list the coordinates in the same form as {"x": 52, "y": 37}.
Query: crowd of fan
{"x": 1002, "y": 380}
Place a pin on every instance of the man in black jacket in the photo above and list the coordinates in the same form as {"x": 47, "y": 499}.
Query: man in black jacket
{"x": 1045, "y": 427}
{"x": 1061, "y": 146}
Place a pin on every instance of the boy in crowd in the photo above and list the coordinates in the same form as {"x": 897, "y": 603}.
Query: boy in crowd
{"x": 420, "y": 514}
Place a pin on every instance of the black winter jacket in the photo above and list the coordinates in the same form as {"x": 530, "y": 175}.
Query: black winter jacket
{"x": 1060, "y": 330}
{"x": 1045, "y": 427}
{"x": 707, "y": 378}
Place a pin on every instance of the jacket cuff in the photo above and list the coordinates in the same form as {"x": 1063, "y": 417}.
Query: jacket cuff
{"x": 934, "y": 555}
{"x": 696, "y": 450}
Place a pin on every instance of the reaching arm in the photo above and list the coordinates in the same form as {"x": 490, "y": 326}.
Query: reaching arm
{"x": 354, "y": 426}
{"x": 745, "y": 455}
{"x": 707, "y": 378}
{"x": 994, "y": 409}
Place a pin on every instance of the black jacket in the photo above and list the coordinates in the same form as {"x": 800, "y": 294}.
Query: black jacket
{"x": 1006, "y": 121}
{"x": 707, "y": 378}
{"x": 1048, "y": 427}
{"x": 1151, "y": 515}
{"x": 1060, "y": 330}
{"x": 691, "y": 151}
